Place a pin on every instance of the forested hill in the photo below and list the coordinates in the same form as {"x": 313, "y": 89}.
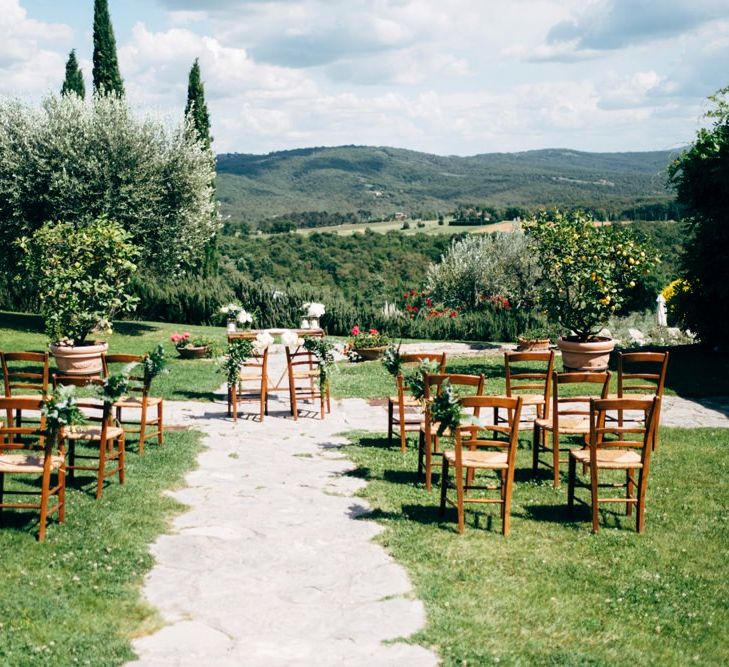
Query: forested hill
{"x": 383, "y": 181}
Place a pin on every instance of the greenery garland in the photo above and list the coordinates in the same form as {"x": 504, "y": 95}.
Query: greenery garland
{"x": 445, "y": 408}
{"x": 60, "y": 410}
{"x": 415, "y": 379}
{"x": 155, "y": 363}
{"x": 391, "y": 360}
{"x": 239, "y": 351}
{"x": 323, "y": 350}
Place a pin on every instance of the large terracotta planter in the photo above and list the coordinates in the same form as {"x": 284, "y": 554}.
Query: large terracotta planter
{"x": 590, "y": 356}
{"x": 191, "y": 352}
{"x": 79, "y": 359}
{"x": 371, "y": 353}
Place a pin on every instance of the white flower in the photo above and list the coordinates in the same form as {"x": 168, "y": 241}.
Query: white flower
{"x": 263, "y": 341}
{"x": 231, "y": 309}
{"x": 244, "y": 317}
{"x": 291, "y": 339}
{"x": 314, "y": 309}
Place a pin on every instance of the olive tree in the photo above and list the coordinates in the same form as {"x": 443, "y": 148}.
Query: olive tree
{"x": 479, "y": 266}
{"x": 76, "y": 161}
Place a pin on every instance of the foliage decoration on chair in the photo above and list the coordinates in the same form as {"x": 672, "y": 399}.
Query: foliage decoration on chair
{"x": 415, "y": 380}
{"x": 391, "y": 360}
{"x": 155, "y": 363}
{"x": 115, "y": 386}
{"x": 239, "y": 351}
{"x": 323, "y": 350}
{"x": 445, "y": 408}
{"x": 60, "y": 409}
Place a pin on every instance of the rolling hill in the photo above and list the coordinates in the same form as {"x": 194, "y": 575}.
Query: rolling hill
{"x": 383, "y": 181}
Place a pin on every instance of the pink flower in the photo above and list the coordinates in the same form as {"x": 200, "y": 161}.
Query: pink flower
{"x": 374, "y": 332}
{"x": 175, "y": 337}
{"x": 187, "y": 334}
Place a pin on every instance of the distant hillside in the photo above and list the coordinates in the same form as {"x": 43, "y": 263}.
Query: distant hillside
{"x": 383, "y": 181}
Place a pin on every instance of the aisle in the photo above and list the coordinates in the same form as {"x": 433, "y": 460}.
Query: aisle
{"x": 270, "y": 564}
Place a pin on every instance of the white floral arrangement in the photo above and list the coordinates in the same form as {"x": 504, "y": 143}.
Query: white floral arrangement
{"x": 291, "y": 339}
{"x": 263, "y": 341}
{"x": 231, "y": 310}
{"x": 244, "y": 317}
{"x": 313, "y": 309}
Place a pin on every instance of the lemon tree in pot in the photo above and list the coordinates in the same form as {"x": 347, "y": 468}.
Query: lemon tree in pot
{"x": 81, "y": 274}
{"x": 587, "y": 273}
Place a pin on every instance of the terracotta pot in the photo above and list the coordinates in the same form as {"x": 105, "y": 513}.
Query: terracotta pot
{"x": 590, "y": 356}
{"x": 79, "y": 359}
{"x": 533, "y": 345}
{"x": 193, "y": 352}
{"x": 371, "y": 353}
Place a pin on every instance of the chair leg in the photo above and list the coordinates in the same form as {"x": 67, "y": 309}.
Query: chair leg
{"x": 142, "y": 430}
{"x": 44, "y": 504}
{"x": 428, "y": 463}
{"x": 121, "y": 447}
{"x": 102, "y": 469}
{"x": 459, "y": 499}
{"x": 443, "y": 487}
{"x": 292, "y": 397}
{"x": 506, "y": 519}
{"x": 535, "y": 448}
{"x": 403, "y": 438}
{"x": 629, "y": 491}
{"x": 62, "y": 494}
{"x": 329, "y": 400}
{"x": 594, "y": 497}
{"x": 421, "y": 453}
{"x": 390, "y": 407}
{"x": 571, "y": 478}
{"x": 322, "y": 400}
{"x": 555, "y": 457}
{"x": 640, "y": 514}
{"x": 71, "y": 459}
{"x": 160, "y": 423}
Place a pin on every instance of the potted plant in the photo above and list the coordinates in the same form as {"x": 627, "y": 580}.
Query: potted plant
{"x": 534, "y": 339}
{"x": 194, "y": 347}
{"x": 313, "y": 312}
{"x": 81, "y": 274}
{"x": 587, "y": 273}
{"x": 234, "y": 315}
{"x": 366, "y": 345}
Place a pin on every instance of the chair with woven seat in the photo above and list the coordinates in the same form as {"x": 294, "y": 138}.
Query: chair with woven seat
{"x": 616, "y": 448}
{"x": 303, "y": 374}
{"x": 25, "y": 375}
{"x": 138, "y": 398}
{"x": 644, "y": 377}
{"x": 529, "y": 375}
{"x": 569, "y": 415}
{"x": 252, "y": 384}
{"x": 485, "y": 447}
{"x": 409, "y": 413}
{"x": 26, "y": 451}
{"x": 428, "y": 446}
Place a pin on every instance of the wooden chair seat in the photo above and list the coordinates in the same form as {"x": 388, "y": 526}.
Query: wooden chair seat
{"x": 531, "y": 399}
{"x": 27, "y": 463}
{"x": 92, "y": 433}
{"x": 616, "y": 459}
{"x": 490, "y": 460}
{"x": 408, "y": 401}
{"x": 30, "y": 396}
{"x": 136, "y": 401}
{"x": 567, "y": 425}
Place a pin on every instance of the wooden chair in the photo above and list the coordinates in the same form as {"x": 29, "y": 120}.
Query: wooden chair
{"x": 303, "y": 371}
{"x": 138, "y": 398}
{"x": 475, "y": 450}
{"x": 529, "y": 375}
{"x": 569, "y": 415}
{"x": 409, "y": 411}
{"x": 620, "y": 448}
{"x": 647, "y": 382}
{"x": 428, "y": 444}
{"x": 28, "y": 451}
{"x": 25, "y": 375}
{"x": 252, "y": 383}
{"x": 105, "y": 433}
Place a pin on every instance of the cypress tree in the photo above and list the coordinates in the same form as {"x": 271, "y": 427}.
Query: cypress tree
{"x": 197, "y": 106}
{"x": 107, "y": 79}
{"x": 74, "y": 81}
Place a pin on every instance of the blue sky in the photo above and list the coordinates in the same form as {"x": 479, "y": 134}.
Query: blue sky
{"x": 444, "y": 76}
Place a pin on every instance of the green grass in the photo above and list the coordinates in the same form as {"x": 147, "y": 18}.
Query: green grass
{"x": 553, "y": 593}
{"x": 693, "y": 372}
{"x": 187, "y": 380}
{"x": 75, "y": 598}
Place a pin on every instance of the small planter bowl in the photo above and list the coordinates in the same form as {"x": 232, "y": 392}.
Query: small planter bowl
{"x": 371, "y": 353}
{"x": 533, "y": 344}
{"x": 191, "y": 352}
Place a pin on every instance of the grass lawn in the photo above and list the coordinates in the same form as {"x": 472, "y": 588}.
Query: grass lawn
{"x": 187, "y": 380}
{"x": 75, "y": 599}
{"x": 692, "y": 372}
{"x": 553, "y": 593}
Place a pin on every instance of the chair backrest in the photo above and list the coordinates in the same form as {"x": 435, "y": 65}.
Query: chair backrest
{"x": 578, "y": 405}
{"x": 651, "y": 378}
{"x": 529, "y": 373}
{"x": 25, "y": 372}
{"x": 258, "y": 363}
{"x": 606, "y": 433}
{"x": 14, "y": 437}
{"x": 433, "y": 382}
{"x": 502, "y": 436}
{"x": 139, "y": 383}
{"x": 408, "y": 361}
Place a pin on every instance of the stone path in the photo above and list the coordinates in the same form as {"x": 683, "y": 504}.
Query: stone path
{"x": 270, "y": 564}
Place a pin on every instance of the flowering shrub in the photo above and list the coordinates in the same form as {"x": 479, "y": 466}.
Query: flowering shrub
{"x": 673, "y": 293}
{"x": 421, "y": 304}
{"x": 587, "y": 270}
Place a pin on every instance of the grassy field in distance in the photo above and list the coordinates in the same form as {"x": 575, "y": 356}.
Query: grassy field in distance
{"x": 429, "y": 227}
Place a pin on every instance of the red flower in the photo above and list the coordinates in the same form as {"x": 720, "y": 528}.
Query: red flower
{"x": 429, "y": 302}
{"x": 454, "y": 313}
{"x": 406, "y": 295}
{"x": 415, "y": 309}
{"x": 374, "y": 332}
{"x": 355, "y": 330}
{"x": 414, "y": 292}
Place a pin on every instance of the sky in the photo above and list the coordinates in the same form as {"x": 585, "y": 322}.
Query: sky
{"x": 452, "y": 77}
